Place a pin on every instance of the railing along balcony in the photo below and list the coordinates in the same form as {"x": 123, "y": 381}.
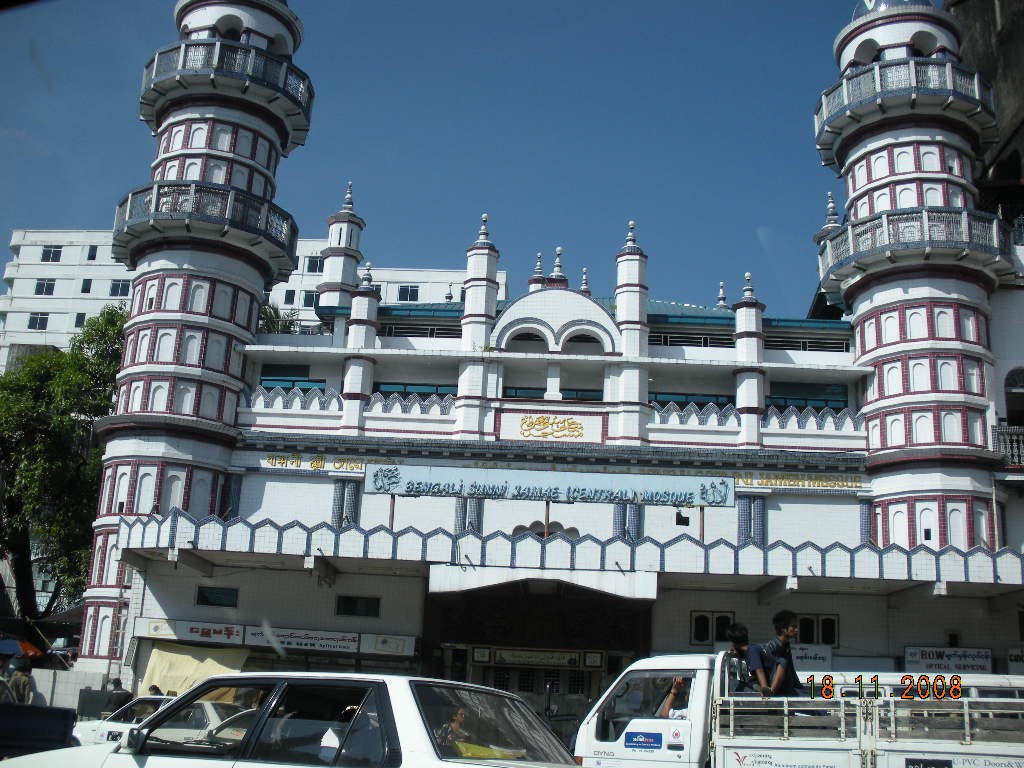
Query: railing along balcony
{"x": 223, "y": 58}
{"x": 213, "y": 203}
{"x": 1010, "y": 442}
{"x": 954, "y": 229}
{"x": 902, "y": 79}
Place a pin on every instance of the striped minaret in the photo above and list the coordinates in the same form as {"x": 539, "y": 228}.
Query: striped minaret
{"x": 203, "y": 240}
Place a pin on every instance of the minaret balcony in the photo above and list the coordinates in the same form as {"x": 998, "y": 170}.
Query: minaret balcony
{"x": 901, "y": 87}
{"x": 1009, "y": 442}
{"x": 971, "y": 238}
{"x": 221, "y": 67}
{"x": 206, "y": 211}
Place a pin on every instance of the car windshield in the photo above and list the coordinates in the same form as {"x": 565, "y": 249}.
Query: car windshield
{"x": 483, "y": 725}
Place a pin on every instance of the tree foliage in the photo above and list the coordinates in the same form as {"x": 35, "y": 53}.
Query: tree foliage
{"x": 273, "y": 320}
{"x": 50, "y": 463}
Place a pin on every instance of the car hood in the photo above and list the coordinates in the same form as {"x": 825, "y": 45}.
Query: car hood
{"x": 73, "y": 757}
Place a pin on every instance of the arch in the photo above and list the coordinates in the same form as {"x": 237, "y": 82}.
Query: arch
{"x": 919, "y": 378}
{"x": 860, "y": 174}
{"x": 898, "y": 532}
{"x": 193, "y": 170}
{"x": 880, "y": 166}
{"x": 151, "y": 295}
{"x": 222, "y": 137}
{"x": 890, "y": 328}
{"x": 895, "y": 434}
{"x": 924, "y": 42}
{"x": 121, "y": 491}
{"x": 229, "y": 27}
{"x": 906, "y": 197}
{"x": 571, "y": 336}
{"x": 924, "y": 431}
{"x": 555, "y": 314}
{"x": 174, "y": 487}
{"x": 928, "y": 527}
{"x": 144, "y": 494}
{"x": 158, "y": 397}
{"x": 866, "y": 52}
{"x": 917, "y": 324}
{"x": 199, "y": 494}
{"x": 142, "y": 350}
{"x": 893, "y": 379}
{"x": 904, "y": 160}
{"x": 947, "y": 374}
{"x": 197, "y": 136}
{"x": 190, "y": 349}
{"x": 933, "y": 194}
{"x": 952, "y": 427}
{"x": 184, "y": 397}
{"x": 944, "y": 323}
{"x": 529, "y": 336}
{"x": 955, "y": 526}
{"x": 135, "y": 398}
{"x": 1014, "y": 389}
{"x": 165, "y": 347}
{"x": 197, "y": 297}
{"x": 172, "y": 295}
{"x": 882, "y": 201}
{"x": 102, "y": 646}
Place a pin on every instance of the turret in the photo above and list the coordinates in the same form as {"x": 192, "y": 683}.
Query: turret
{"x": 342, "y": 258}
{"x": 631, "y": 295}
{"x": 481, "y": 286}
{"x": 357, "y": 381}
{"x": 750, "y": 376}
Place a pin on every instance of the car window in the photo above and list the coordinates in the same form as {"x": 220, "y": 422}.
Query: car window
{"x": 190, "y": 727}
{"x": 485, "y": 725}
{"x": 323, "y": 725}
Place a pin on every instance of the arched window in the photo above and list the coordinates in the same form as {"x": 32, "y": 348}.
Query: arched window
{"x": 190, "y": 349}
{"x": 906, "y": 197}
{"x": 932, "y": 194}
{"x": 930, "y": 159}
{"x": 955, "y": 525}
{"x": 882, "y": 201}
{"x": 890, "y": 328}
{"x": 860, "y": 174}
{"x": 158, "y": 397}
{"x": 165, "y": 347}
{"x": 928, "y": 527}
{"x": 944, "y": 323}
{"x": 172, "y": 295}
{"x": 952, "y": 427}
{"x": 924, "y": 432}
{"x": 135, "y": 401}
{"x": 893, "y": 379}
{"x": 898, "y": 533}
{"x": 875, "y": 434}
{"x": 917, "y": 325}
{"x": 895, "y": 434}
{"x": 947, "y": 375}
{"x": 197, "y": 297}
{"x": 904, "y": 161}
{"x": 920, "y": 381}
{"x": 184, "y": 398}
{"x": 880, "y": 166}
{"x": 173, "y": 488}
{"x": 144, "y": 492}
{"x": 197, "y": 139}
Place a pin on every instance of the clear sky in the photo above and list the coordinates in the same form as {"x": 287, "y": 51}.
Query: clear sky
{"x": 562, "y": 119}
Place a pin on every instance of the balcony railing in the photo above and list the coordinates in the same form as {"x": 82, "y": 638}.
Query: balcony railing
{"x": 214, "y": 203}
{"x": 230, "y": 59}
{"x": 905, "y": 77}
{"x": 1010, "y": 442}
{"x": 912, "y": 228}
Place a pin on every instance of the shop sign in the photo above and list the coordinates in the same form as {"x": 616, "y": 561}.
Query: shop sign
{"x": 389, "y": 645}
{"x": 927, "y": 659}
{"x": 547, "y": 485}
{"x": 550, "y": 427}
{"x": 526, "y": 658}
{"x": 799, "y": 480}
{"x": 1015, "y": 657}
{"x": 303, "y": 639}
{"x": 192, "y": 631}
{"x": 814, "y": 658}
{"x": 312, "y": 461}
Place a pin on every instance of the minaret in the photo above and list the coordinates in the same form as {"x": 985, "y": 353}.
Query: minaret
{"x": 203, "y": 240}
{"x": 478, "y": 315}
{"x": 750, "y": 375}
{"x": 914, "y": 267}
{"x": 557, "y": 278}
{"x": 537, "y": 279}
{"x": 357, "y": 380}
{"x": 341, "y": 260}
{"x": 627, "y": 424}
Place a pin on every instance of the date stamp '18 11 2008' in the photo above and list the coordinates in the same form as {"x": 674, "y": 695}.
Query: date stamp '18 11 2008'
{"x": 913, "y": 687}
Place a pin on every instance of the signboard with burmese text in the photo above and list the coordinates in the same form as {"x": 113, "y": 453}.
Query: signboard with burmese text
{"x": 547, "y": 485}
{"x": 194, "y": 631}
{"x": 303, "y": 639}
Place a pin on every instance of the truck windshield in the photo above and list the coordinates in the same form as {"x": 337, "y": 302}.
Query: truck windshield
{"x": 485, "y": 725}
{"x": 645, "y": 694}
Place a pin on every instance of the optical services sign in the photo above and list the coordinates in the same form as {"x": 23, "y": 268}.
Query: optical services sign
{"x": 545, "y": 485}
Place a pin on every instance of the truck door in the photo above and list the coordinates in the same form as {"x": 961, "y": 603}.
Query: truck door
{"x": 642, "y": 721}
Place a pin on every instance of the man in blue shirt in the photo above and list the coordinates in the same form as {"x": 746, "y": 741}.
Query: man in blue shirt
{"x": 773, "y": 663}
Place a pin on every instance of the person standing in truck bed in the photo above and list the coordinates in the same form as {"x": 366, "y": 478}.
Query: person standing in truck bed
{"x": 773, "y": 667}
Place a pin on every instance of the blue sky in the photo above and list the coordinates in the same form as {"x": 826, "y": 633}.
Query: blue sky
{"x": 562, "y": 119}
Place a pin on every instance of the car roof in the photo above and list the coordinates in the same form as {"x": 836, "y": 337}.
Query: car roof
{"x": 675, "y": 661}
{"x": 387, "y": 679}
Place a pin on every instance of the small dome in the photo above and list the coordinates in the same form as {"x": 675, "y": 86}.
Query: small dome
{"x": 864, "y": 7}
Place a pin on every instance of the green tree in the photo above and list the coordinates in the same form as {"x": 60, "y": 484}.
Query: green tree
{"x": 50, "y": 463}
{"x": 273, "y": 320}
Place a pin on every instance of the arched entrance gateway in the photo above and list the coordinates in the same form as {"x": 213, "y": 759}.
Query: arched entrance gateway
{"x": 553, "y": 643}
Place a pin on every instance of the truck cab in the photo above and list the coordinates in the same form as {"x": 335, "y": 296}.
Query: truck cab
{"x": 638, "y": 720}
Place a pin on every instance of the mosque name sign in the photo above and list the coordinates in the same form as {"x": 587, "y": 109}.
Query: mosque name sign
{"x": 550, "y": 427}
{"x": 544, "y": 485}
{"x": 799, "y": 480}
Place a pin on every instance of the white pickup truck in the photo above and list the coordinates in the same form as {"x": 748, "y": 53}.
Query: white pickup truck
{"x": 888, "y": 720}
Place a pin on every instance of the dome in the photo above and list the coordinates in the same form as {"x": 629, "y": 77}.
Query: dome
{"x": 864, "y": 7}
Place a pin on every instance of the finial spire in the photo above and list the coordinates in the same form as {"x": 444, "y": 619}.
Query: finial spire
{"x": 721, "y": 297}
{"x": 448, "y": 296}
{"x": 585, "y": 284}
{"x": 538, "y": 269}
{"x": 557, "y": 271}
{"x": 631, "y": 235}
{"x": 483, "y": 234}
{"x": 831, "y": 217}
{"x": 748, "y": 289}
{"x": 349, "y": 204}
{"x": 367, "y": 280}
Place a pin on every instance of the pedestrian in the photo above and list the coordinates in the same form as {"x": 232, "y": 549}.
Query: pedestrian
{"x": 118, "y": 696}
{"x": 741, "y": 649}
{"x": 20, "y": 682}
{"x": 776, "y": 671}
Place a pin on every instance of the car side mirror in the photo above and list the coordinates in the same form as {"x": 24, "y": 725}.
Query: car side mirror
{"x": 133, "y": 741}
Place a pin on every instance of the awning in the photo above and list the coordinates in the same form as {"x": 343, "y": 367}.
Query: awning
{"x": 176, "y": 667}
{"x": 640, "y": 585}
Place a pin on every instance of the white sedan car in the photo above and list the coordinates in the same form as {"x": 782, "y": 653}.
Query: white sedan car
{"x": 116, "y": 724}
{"x": 295, "y": 719}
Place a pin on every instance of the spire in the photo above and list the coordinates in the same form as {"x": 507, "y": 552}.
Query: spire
{"x": 831, "y": 217}
{"x": 585, "y": 284}
{"x": 537, "y": 279}
{"x": 831, "y": 221}
{"x": 448, "y": 296}
{"x": 721, "y": 297}
{"x": 367, "y": 280}
{"x": 483, "y": 237}
{"x": 630, "y": 245}
{"x": 556, "y": 272}
{"x": 349, "y": 204}
{"x": 748, "y": 289}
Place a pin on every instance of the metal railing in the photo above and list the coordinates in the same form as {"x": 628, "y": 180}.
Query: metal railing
{"x": 904, "y": 76}
{"x": 1010, "y": 442}
{"x": 953, "y": 228}
{"x": 223, "y": 57}
{"x": 215, "y": 203}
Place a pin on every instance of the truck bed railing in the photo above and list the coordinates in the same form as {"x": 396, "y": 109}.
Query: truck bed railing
{"x": 964, "y": 721}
